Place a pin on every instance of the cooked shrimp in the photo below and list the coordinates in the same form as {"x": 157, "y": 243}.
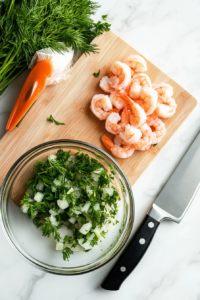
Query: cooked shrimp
{"x": 112, "y": 123}
{"x": 117, "y": 100}
{"x": 138, "y": 81}
{"x": 121, "y": 152}
{"x": 158, "y": 128}
{"x": 100, "y": 106}
{"x": 118, "y": 141}
{"x": 136, "y": 63}
{"x": 166, "y": 109}
{"x": 164, "y": 90}
{"x": 151, "y": 118}
{"x": 125, "y": 116}
{"x": 149, "y": 97}
{"x": 105, "y": 85}
{"x": 130, "y": 135}
{"x": 146, "y": 140}
{"x": 121, "y": 75}
{"x": 138, "y": 115}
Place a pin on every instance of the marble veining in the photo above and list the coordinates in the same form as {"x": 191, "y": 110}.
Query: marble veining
{"x": 167, "y": 32}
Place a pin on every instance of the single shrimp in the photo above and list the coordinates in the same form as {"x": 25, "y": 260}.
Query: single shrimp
{"x": 149, "y": 97}
{"x": 151, "y": 118}
{"x": 166, "y": 109}
{"x": 121, "y": 152}
{"x": 138, "y": 115}
{"x": 105, "y": 85}
{"x": 130, "y": 135}
{"x": 146, "y": 140}
{"x": 119, "y": 77}
{"x": 164, "y": 90}
{"x": 138, "y": 81}
{"x": 136, "y": 63}
{"x": 158, "y": 128}
{"x": 118, "y": 141}
{"x": 125, "y": 116}
{"x": 117, "y": 100}
{"x": 100, "y": 106}
{"x": 112, "y": 123}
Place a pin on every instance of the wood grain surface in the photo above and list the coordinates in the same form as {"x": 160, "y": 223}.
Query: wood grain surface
{"x": 69, "y": 102}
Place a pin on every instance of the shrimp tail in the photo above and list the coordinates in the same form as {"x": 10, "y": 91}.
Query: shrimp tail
{"x": 107, "y": 142}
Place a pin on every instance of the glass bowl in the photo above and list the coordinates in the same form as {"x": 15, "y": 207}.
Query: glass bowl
{"x": 28, "y": 241}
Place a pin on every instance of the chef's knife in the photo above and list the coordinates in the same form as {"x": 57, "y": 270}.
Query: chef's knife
{"x": 171, "y": 204}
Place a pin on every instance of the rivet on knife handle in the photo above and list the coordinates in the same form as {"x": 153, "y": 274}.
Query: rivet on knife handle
{"x": 132, "y": 255}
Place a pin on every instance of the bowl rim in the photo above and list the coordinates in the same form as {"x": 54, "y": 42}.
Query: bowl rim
{"x": 78, "y": 142}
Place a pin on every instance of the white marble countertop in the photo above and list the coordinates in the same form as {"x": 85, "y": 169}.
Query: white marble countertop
{"x": 167, "y": 33}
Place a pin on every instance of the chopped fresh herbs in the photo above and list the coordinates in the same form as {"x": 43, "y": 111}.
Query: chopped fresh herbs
{"x": 104, "y": 17}
{"x": 28, "y": 26}
{"x": 155, "y": 145}
{"x": 51, "y": 119}
{"x": 96, "y": 74}
{"x": 66, "y": 253}
{"x": 71, "y": 199}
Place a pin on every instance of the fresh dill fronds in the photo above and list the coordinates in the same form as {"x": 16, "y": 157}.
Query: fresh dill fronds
{"x": 155, "y": 145}
{"x": 51, "y": 119}
{"x": 28, "y": 26}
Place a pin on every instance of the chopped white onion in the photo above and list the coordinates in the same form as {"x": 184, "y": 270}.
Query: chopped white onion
{"x": 59, "y": 246}
{"x": 53, "y": 188}
{"x": 38, "y": 197}
{"x": 86, "y": 228}
{"x": 40, "y": 186}
{"x": 86, "y": 245}
{"x": 57, "y": 182}
{"x": 95, "y": 176}
{"x": 108, "y": 191}
{"x": 86, "y": 207}
{"x": 77, "y": 212}
{"x": 72, "y": 220}
{"x": 98, "y": 171}
{"x": 24, "y": 208}
{"x": 97, "y": 206}
{"x": 52, "y": 157}
{"x": 53, "y": 220}
{"x": 71, "y": 159}
{"x": 62, "y": 203}
{"x": 70, "y": 190}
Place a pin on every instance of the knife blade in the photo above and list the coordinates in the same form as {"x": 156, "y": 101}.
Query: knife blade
{"x": 172, "y": 203}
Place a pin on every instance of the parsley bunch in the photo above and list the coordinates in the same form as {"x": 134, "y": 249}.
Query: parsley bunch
{"x": 73, "y": 192}
{"x": 28, "y": 26}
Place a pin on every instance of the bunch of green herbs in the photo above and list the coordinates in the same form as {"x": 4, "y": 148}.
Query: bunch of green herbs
{"x": 28, "y": 26}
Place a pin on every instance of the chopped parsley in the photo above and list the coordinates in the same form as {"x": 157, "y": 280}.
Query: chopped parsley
{"x": 51, "y": 119}
{"x": 104, "y": 17}
{"x": 96, "y": 74}
{"x": 155, "y": 145}
{"x": 73, "y": 193}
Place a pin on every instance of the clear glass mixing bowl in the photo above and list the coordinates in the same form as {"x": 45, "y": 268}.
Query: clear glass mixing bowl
{"x": 28, "y": 241}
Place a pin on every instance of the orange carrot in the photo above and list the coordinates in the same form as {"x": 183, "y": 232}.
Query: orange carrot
{"x": 30, "y": 91}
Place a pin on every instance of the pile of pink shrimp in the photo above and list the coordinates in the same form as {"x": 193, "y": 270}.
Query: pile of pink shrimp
{"x": 133, "y": 107}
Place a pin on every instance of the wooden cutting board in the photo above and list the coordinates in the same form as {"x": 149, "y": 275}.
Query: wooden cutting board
{"x": 69, "y": 102}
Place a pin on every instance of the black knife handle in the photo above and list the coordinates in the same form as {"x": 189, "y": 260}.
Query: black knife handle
{"x": 132, "y": 254}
